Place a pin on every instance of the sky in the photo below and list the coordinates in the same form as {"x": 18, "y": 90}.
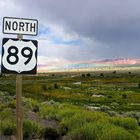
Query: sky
{"x": 73, "y": 31}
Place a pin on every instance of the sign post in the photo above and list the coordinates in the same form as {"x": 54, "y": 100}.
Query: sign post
{"x": 19, "y": 113}
{"x": 19, "y": 56}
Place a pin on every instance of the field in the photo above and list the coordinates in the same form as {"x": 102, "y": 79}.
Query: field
{"x": 78, "y": 106}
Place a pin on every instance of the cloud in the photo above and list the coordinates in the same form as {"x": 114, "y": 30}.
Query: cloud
{"x": 92, "y": 18}
{"x": 81, "y": 30}
{"x": 10, "y": 8}
{"x": 46, "y": 63}
{"x": 50, "y": 61}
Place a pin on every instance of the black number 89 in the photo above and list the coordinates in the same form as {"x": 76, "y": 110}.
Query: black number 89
{"x": 13, "y": 58}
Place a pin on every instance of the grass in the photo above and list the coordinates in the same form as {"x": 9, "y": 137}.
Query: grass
{"x": 63, "y": 105}
{"x": 8, "y": 127}
{"x": 31, "y": 129}
{"x": 87, "y": 125}
{"x": 104, "y": 131}
{"x": 78, "y": 123}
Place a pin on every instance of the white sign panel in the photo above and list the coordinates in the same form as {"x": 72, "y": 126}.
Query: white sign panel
{"x": 19, "y": 56}
{"x": 20, "y": 26}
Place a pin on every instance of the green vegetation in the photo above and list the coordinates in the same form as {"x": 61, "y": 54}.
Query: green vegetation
{"x": 8, "y": 128}
{"x": 31, "y": 129}
{"x": 77, "y": 106}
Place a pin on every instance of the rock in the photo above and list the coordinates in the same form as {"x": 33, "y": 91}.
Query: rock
{"x": 97, "y": 95}
{"x": 93, "y": 108}
{"x": 66, "y": 88}
{"x": 77, "y": 83}
{"x": 112, "y": 113}
{"x": 105, "y": 108}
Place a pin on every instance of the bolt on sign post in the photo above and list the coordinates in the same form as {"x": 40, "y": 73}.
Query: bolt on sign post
{"x": 19, "y": 56}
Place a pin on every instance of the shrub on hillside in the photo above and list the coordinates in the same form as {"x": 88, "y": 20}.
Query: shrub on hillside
{"x": 88, "y": 74}
{"x": 112, "y": 132}
{"x": 50, "y": 133}
{"x": 44, "y": 87}
{"x": 56, "y": 86}
{"x": 30, "y": 129}
{"x": 7, "y": 128}
{"x": 127, "y": 123}
{"x": 100, "y": 131}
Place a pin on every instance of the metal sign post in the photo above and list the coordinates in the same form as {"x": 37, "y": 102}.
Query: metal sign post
{"x": 19, "y": 114}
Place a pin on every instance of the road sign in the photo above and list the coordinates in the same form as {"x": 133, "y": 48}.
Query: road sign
{"x": 19, "y": 56}
{"x": 20, "y": 26}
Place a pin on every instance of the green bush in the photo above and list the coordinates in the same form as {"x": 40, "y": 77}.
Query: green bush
{"x": 100, "y": 131}
{"x": 124, "y": 96}
{"x": 139, "y": 85}
{"x": 7, "y": 128}
{"x": 30, "y": 129}
{"x": 29, "y": 103}
{"x": 83, "y": 75}
{"x": 44, "y": 87}
{"x": 48, "y": 112}
{"x": 101, "y": 74}
{"x": 127, "y": 123}
{"x": 112, "y": 132}
{"x": 12, "y": 104}
{"x": 81, "y": 117}
{"x": 88, "y": 75}
{"x": 56, "y": 86}
{"x": 50, "y": 133}
{"x": 66, "y": 112}
{"x": 63, "y": 129}
{"x": 74, "y": 122}
{"x": 35, "y": 108}
{"x": 7, "y": 113}
{"x": 81, "y": 124}
{"x": 87, "y": 132}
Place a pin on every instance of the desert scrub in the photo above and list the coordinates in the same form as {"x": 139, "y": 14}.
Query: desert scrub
{"x": 50, "y": 133}
{"x": 6, "y": 113}
{"x": 76, "y": 117}
{"x": 48, "y": 112}
{"x": 76, "y": 121}
{"x": 100, "y": 131}
{"x": 7, "y": 127}
{"x": 31, "y": 129}
{"x": 12, "y": 104}
{"x": 127, "y": 123}
{"x": 112, "y": 132}
{"x": 29, "y": 103}
{"x": 80, "y": 118}
{"x": 67, "y": 111}
{"x": 44, "y": 87}
{"x": 80, "y": 124}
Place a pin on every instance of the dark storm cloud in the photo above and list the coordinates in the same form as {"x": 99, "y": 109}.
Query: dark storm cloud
{"x": 106, "y": 20}
{"x": 114, "y": 24}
